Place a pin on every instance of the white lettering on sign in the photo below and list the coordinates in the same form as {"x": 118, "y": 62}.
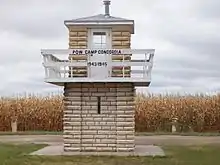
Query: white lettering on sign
{"x": 87, "y": 51}
{"x": 97, "y": 63}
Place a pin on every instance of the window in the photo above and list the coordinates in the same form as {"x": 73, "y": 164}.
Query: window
{"x": 99, "y": 104}
{"x": 99, "y": 40}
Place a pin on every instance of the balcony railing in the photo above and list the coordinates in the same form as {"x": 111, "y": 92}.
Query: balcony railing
{"x": 83, "y": 65}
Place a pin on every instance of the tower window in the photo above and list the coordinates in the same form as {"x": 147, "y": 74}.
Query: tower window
{"x": 99, "y": 104}
{"x": 99, "y": 40}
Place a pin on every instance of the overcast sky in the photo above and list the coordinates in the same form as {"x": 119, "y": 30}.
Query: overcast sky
{"x": 185, "y": 35}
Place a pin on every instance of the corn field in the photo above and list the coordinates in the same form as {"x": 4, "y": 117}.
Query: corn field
{"x": 153, "y": 113}
{"x": 32, "y": 113}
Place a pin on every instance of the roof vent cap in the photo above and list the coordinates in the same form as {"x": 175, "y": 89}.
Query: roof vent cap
{"x": 107, "y": 4}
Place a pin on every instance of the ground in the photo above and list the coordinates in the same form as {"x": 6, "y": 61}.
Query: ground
{"x": 139, "y": 140}
{"x": 180, "y": 150}
{"x": 176, "y": 155}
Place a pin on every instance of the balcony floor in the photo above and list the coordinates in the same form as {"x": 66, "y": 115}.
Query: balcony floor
{"x": 137, "y": 82}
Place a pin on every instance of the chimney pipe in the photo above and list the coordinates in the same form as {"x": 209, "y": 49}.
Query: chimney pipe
{"x": 107, "y": 4}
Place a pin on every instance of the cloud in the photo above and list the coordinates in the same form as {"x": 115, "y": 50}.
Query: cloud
{"x": 184, "y": 34}
{"x": 41, "y": 19}
{"x": 209, "y": 10}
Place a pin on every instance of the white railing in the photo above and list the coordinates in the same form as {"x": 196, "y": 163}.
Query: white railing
{"x": 59, "y": 69}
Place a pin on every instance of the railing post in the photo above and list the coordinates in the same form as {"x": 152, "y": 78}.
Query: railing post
{"x": 71, "y": 68}
{"x": 123, "y": 66}
{"x": 145, "y": 65}
{"x": 109, "y": 65}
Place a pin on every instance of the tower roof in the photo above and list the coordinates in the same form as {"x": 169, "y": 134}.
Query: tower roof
{"x": 101, "y": 19}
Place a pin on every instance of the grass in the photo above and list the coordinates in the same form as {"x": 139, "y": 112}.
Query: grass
{"x": 194, "y": 155}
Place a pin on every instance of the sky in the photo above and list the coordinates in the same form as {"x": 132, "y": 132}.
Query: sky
{"x": 185, "y": 35}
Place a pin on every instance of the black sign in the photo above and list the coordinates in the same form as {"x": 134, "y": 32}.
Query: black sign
{"x": 97, "y": 63}
{"x": 88, "y": 51}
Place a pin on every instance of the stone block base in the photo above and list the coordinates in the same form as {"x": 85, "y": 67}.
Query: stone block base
{"x": 99, "y": 117}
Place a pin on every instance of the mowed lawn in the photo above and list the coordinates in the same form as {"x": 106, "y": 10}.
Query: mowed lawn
{"x": 176, "y": 155}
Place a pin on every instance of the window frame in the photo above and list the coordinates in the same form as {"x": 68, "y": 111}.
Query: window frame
{"x": 108, "y": 38}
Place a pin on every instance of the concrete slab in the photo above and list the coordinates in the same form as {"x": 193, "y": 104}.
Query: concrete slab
{"x": 140, "y": 150}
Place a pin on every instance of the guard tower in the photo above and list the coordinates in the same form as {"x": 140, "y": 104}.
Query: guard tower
{"x": 99, "y": 74}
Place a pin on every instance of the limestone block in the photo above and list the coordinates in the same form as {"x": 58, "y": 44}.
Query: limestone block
{"x": 104, "y": 149}
{"x": 71, "y": 149}
{"x": 104, "y": 132}
{"x": 89, "y": 119}
{"x": 99, "y": 136}
{"x": 99, "y": 94}
{"x": 87, "y": 141}
{"x": 120, "y": 38}
{"x": 123, "y": 123}
{"x": 73, "y": 43}
{"x": 86, "y": 144}
{"x": 77, "y": 38}
{"x": 124, "y": 103}
{"x": 116, "y": 43}
{"x": 109, "y": 98}
{"x": 89, "y": 148}
{"x": 95, "y": 127}
{"x": 67, "y": 123}
{"x": 110, "y": 123}
{"x": 103, "y": 89}
{"x": 124, "y": 132}
{"x": 125, "y": 149}
{"x": 68, "y": 145}
{"x": 102, "y": 145}
{"x": 108, "y": 119}
{"x": 106, "y": 103}
{"x": 77, "y": 47}
{"x": 125, "y": 89}
{"x": 73, "y": 34}
{"x": 130, "y": 137}
{"x": 109, "y": 141}
{"x": 82, "y": 43}
{"x": 125, "y": 115}
{"x": 126, "y": 42}
{"x": 67, "y": 128}
{"x": 77, "y": 29}
{"x": 87, "y": 136}
{"x": 121, "y": 128}
{"x": 121, "y": 46}
{"x": 106, "y": 128}
{"x": 122, "y": 108}
{"x": 116, "y": 33}
{"x": 82, "y": 33}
